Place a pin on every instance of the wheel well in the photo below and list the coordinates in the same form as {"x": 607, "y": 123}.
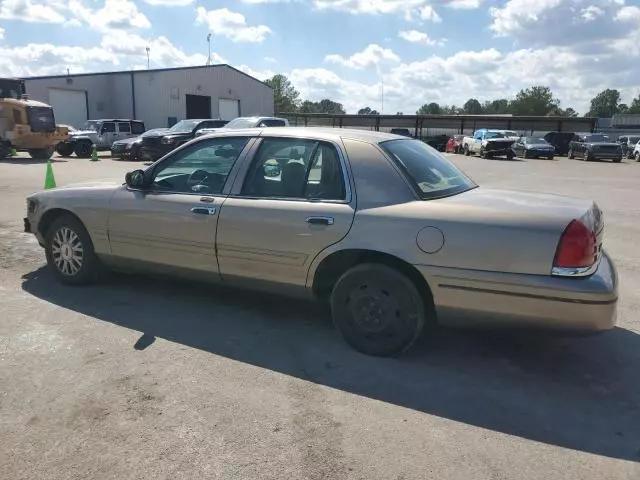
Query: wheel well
{"x": 332, "y": 267}
{"x": 51, "y": 216}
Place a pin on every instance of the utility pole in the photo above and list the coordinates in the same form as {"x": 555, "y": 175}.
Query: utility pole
{"x": 209, "y": 44}
{"x": 381, "y": 94}
{"x": 148, "y": 64}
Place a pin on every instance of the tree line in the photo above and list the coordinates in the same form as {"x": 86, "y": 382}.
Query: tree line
{"x": 537, "y": 100}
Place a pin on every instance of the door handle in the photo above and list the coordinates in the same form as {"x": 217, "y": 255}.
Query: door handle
{"x": 320, "y": 220}
{"x": 204, "y": 210}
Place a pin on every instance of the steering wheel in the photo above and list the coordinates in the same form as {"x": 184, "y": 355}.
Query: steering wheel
{"x": 197, "y": 177}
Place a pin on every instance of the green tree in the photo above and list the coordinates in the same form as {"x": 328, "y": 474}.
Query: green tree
{"x": 570, "y": 112}
{"x": 496, "y": 107}
{"x": 623, "y": 108}
{"x": 367, "y": 111}
{"x": 634, "y": 107}
{"x": 286, "y": 98}
{"x": 309, "y": 107}
{"x": 429, "y": 109}
{"x": 329, "y": 106}
{"x": 472, "y": 107}
{"x": 537, "y": 100}
{"x": 399, "y": 113}
{"x": 450, "y": 110}
{"x": 605, "y": 104}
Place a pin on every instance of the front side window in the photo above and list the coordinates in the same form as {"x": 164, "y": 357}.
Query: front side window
{"x": 201, "y": 169}
{"x": 430, "y": 171}
{"x": 295, "y": 168}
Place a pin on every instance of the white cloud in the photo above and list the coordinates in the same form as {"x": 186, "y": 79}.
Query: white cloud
{"x": 256, "y": 2}
{"x": 464, "y": 4}
{"x": 259, "y": 74}
{"x": 371, "y": 56}
{"x": 231, "y": 25}
{"x": 28, "y": 11}
{"x": 428, "y": 13}
{"x": 628, "y": 14}
{"x": 114, "y": 15}
{"x": 591, "y": 13}
{"x": 370, "y": 6}
{"x": 414, "y": 36}
{"x": 270, "y": 60}
{"x": 169, "y": 3}
{"x": 1, "y": 33}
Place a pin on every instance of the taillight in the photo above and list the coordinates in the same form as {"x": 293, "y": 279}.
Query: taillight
{"x": 577, "y": 247}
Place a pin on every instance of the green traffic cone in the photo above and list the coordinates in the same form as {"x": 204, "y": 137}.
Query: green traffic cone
{"x": 94, "y": 154}
{"x": 49, "y": 179}
{"x": 13, "y": 152}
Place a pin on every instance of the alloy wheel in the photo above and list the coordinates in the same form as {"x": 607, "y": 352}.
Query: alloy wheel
{"x": 67, "y": 251}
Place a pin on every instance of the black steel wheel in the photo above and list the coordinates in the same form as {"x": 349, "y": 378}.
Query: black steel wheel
{"x": 83, "y": 149}
{"x": 466, "y": 150}
{"x": 378, "y": 310}
{"x": 64, "y": 149}
{"x": 69, "y": 251}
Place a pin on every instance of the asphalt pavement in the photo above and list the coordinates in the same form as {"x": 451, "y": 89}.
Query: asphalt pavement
{"x": 142, "y": 378}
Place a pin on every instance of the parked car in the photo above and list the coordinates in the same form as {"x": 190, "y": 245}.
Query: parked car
{"x": 595, "y": 147}
{"x": 129, "y": 148}
{"x": 533, "y": 147}
{"x": 101, "y": 133}
{"x": 560, "y": 141}
{"x": 402, "y": 131}
{"x": 439, "y": 142}
{"x": 628, "y": 143}
{"x": 636, "y": 152}
{"x": 488, "y": 143}
{"x": 155, "y": 146}
{"x": 248, "y": 122}
{"x": 276, "y": 208}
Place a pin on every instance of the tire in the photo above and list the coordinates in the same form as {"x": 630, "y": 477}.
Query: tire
{"x": 617, "y": 160}
{"x": 570, "y": 154}
{"x": 377, "y": 310}
{"x": 510, "y": 155}
{"x": 41, "y": 153}
{"x": 482, "y": 153}
{"x": 79, "y": 267}
{"x": 638, "y": 157}
{"x": 5, "y": 150}
{"x": 64, "y": 149}
{"x": 83, "y": 149}
{"x": 466, "y": 150}
{"x": 550, "y": 158}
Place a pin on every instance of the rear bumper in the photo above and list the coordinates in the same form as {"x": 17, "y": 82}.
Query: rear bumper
{"x": 580, "y": 305}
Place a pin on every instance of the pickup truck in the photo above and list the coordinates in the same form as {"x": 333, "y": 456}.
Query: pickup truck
{"x": 488, "y": 143}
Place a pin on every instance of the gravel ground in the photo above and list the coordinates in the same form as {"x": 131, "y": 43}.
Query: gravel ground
{"x": 145, "y": 378}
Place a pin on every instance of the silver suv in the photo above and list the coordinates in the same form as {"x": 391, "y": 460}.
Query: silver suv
{"x": 101, "y": 133}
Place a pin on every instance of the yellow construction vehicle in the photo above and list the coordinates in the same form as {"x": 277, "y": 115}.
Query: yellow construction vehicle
{"x": 26, "y": 125}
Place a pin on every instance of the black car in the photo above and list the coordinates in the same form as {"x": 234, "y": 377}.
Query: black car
{"x": 439, "y": 142}
{"x": 560, "y": 141}
{"x": 402, "y": 131}
{"x": 628, "y": 143}
{"x": 533, "y": 147}
{"x": 129, "y": 148}
{"x": 595, "y": 147}
{"x": 155, "y": 146}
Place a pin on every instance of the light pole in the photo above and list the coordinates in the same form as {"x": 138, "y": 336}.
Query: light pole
{"x": 148, "y": 58}
{"x": 209, "y": 44}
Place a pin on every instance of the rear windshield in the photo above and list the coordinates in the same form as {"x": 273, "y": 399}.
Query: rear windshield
{"x": 41, "y": 119}
{"x": 431, "y": 173}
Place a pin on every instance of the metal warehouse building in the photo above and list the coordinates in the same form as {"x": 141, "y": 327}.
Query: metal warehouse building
{"x": 159, "y": 97}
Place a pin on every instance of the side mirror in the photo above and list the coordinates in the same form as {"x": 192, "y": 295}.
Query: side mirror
{"x": 135, "y": 179}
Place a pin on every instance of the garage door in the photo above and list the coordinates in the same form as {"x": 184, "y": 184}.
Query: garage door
{"x": 69, "y": 106}
{"x": 228, "y": 109}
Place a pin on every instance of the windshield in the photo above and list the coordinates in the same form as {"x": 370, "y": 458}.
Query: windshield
{"x": 184, "y": 126}
{"x": 596, "y": 138}
{"x": 241, "y": 123}
{"x": 634, "y": 140}
{"x": 493, "y": 135}
{"x": 534, "y": 140}
{"x": 430, "y": 171}
{"x": 91, "y": 125}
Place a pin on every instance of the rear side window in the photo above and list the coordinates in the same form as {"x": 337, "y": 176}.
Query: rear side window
{"x": 297, "y": 169}
{"x": 432, "y": 175}
{"x": 272, "y": 123}
{"x": 137, "y": 127}
{"x": 124, "y": 127}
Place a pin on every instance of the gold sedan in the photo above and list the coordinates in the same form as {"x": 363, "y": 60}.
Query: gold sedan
{"x": 383, "y": 227}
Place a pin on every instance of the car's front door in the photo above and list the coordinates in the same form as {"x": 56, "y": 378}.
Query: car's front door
{"x": 518, "y": 147}
{"x": 172, "y": 222}
{"x": 108, "y": 135}
{"x": 289, "y": 203}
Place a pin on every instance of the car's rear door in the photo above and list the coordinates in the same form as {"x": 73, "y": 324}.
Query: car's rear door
{"x": 173, "y": 223}
{"x": 291, "y": 200}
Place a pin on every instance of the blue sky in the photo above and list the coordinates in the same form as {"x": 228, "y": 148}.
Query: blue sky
{"x": 421, "y": 50}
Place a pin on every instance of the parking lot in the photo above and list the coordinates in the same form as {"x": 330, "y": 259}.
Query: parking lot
{"x": 147, "y": 378}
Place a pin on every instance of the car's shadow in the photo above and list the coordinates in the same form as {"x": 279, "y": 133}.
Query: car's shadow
{"x": 29, "y": 161}
{"x": 582, "y": 394}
